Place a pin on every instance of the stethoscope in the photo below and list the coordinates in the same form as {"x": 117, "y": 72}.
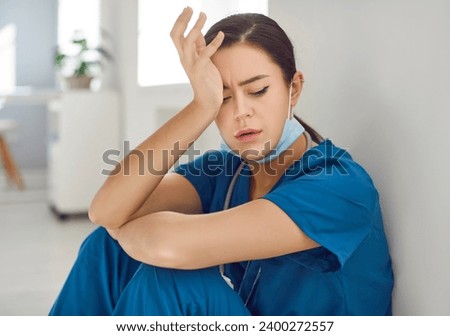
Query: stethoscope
{"x": 227, "y": 206}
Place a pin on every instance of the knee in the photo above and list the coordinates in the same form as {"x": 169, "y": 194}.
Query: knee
{"x": 165, "y": 291}
{"x": 190, "y": 280}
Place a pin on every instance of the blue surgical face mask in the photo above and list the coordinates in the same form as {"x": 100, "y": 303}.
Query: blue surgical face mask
{"x": 291, "y": 131}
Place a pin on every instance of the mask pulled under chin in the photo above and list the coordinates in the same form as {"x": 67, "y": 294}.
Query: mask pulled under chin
{"x": 291, "y": 131}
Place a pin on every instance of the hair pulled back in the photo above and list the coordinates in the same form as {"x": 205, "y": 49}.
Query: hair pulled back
{"x": 258, "y": 31}
{"x": 264, "y": 33}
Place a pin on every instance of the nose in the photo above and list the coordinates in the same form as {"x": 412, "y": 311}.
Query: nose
{"x": 241, "y": 109}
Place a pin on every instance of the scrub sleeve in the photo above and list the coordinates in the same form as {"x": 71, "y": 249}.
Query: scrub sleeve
{"x": 334, "y": 201}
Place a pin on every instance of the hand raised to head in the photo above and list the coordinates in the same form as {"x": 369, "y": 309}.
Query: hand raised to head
{"x": 195, "y": 57}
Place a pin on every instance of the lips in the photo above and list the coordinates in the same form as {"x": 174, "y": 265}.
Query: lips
{"x": 247, "y": 134}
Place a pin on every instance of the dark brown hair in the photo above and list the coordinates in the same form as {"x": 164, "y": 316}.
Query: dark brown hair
{"x": 264, "y": 33}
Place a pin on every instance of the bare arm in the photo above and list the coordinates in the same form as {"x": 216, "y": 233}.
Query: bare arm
{"x": 122, "y": 195}
{"x": 255, "y": 230}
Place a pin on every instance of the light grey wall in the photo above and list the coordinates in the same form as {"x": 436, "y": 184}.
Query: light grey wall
{"x": 377, "y": 82}
{"x": 36, "y": 29}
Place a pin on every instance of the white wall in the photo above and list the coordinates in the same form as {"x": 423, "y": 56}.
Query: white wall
{"x": 377, "y": 83}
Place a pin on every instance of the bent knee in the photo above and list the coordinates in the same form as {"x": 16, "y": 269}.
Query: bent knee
{"x": 205, "y": 278}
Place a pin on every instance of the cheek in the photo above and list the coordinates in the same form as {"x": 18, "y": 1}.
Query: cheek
{"x": 280, "y": 110}
{"x": 272, "y": 111}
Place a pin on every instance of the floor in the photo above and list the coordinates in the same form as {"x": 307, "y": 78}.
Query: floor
{"x": 36, "y": 249}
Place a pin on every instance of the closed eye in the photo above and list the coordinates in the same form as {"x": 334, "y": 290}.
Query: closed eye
{"x": 254, "y": 94}
{"x": 260, "y": 92}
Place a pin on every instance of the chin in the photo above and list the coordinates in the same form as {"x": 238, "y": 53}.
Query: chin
{"x": 252, "y": 153}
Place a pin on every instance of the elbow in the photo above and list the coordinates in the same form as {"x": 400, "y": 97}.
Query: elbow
{"x": 93, "y": 215}
{"x": 99, "y": 216}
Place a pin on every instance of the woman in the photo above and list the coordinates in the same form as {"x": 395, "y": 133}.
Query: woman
{"x": 293, "y": 221}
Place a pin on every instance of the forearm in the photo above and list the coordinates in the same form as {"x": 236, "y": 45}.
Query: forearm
{"x": 152, "y": 239}
{"x": 136, "y": 177}
{"x": 139, "y": 173}
{"x": 255, "y": 230}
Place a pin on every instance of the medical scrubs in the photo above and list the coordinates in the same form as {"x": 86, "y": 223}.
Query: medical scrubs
{"x": 326, "y": 193}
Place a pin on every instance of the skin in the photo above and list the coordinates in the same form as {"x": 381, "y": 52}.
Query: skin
{"x": 158, "y": 219}
{"x": 256, "y": 96}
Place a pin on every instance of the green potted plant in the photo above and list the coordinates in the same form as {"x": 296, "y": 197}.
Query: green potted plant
{"x": 79, "y": 63}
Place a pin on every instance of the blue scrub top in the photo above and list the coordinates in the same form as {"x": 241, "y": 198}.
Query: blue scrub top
{"x": 334, "y": 201}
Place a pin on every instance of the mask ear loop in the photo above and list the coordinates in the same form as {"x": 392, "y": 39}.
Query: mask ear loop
{"x": 290, "y": 110}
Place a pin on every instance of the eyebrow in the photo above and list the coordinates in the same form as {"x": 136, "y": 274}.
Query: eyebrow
{"x": 248, "y": 81}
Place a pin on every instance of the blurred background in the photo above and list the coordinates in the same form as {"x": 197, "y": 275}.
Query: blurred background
{"x": 79, "y": 78}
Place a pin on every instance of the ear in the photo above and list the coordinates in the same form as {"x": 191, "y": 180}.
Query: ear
{"x": 297, "y": 86}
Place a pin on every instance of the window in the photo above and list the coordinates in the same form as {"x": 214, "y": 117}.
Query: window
{"x": 158, "y": 62}
{"x": 78, "y": 17}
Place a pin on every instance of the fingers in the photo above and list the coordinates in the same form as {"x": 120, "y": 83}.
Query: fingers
{"x": 196, "y": 31}
{"x": 212, "y": 47}
{"x": 200, "y": 44}
{"x": 194, "y": 42}
{"x": 193, "y": 45}
{"x": 179, "y": 27}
